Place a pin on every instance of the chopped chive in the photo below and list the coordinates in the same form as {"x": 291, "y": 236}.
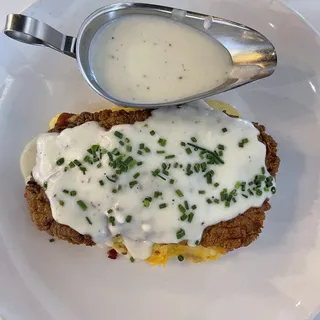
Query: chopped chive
{"x": 101, "y": 182}
{"x": 73, "y": 193}
{"x": 165, "y": 172}
{"x": 139, "y": 163}
{"x": 61, "y": 203}
{"x": 141, "y": 146}
{"x": 216, "y": 185}
{"x": 179, "y": 193}
{"x": 152, "y": 132}
{"x": 83, "y": 170}
{"x": 114, "y": 178}
{"x": 65, "y": 191}
{"x": 216, "y": 201}
{"x": 194, "y": 207}
{"x": 45, "y": 185}
{"x": 99, "y": 165}
{"x": 224, "y": 129}
{"x": 209, "y": 179}
{"x": 246, "y": 140}
{"x": 147, "y": 150}
{"x": 220, "y": 146}
{"x": 139, "y": 152}
{"x": 66, "y": 169}
{"x": 263, "y": 170}
{"x": 112, "y": 220}
{"x": 171, "y": 181}
{"x": 95, "y": 148}
{"x": 121, "y": 143}
{"x": 127, "y": 140}
{"x": 227, "y": 204}
{"x": 110, "y": 211}
{"x": 171, "y": 156}
{"x": 186, "y": 205}
{"x": 273, "y": 190}
{"x": 190, "y": 217}
{"x": 146, "y": 203}
{"x": 157, "y": 194}
{"x": 244, "y": 195}
{"x": 132, "y": 183}
{"x": 162, "y": 205}
{"x": 128, "y": 148}
{"x": 77, "y": 162}
{"x": 71, "y": 164}
{"x": 258, "y": 192}
{"x": 135, "y": 176}
{"x": 183, "y": 143}
{"x": 197, "y": 167}
{"x": 193, "y": 139}
{"x": 128, "y": 219}
{"x": 201, "y": 191}
{"x": 118, "y": 134}
{"x": 183, "y": 217}
{"x": 60, "y": 162}
{"x": 209, "y": 200}
{"x": 155, "y": 172}
{"x": 266, "y": 189}
{"x": 203, "y": 166}
{"x": 213, "y": 154}
{"x": 220, "y": 153}
{"x": 182, "y": 208}
{"x": 180, "y": 257}
{"x": 132, "y": 259}
{"x": 89, "y": 221}
{"x": 197, "y": 243}
{"x": 188, "y": 151}
{"x": 82, "y": 205}
{"x": 241, "y": 145}
{"x": 162, "y": 142}
{"x": 114, "y": 190}
{"x": 160, "y": 152}
{"x": 115, "y": 151}
{"x": 180, "y": 233}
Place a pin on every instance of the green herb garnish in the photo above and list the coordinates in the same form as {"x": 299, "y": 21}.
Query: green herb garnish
{"x": 82, "y": 205}
{"x": 60, "y": 162}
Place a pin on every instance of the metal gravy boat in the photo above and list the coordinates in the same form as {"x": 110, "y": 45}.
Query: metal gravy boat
{"x": 253, "y": 55}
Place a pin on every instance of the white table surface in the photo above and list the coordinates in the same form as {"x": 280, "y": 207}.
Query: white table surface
{"x": 309, "y": 9}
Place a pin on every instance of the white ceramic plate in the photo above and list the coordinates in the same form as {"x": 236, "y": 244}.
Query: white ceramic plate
{"x": 274, "y": 278}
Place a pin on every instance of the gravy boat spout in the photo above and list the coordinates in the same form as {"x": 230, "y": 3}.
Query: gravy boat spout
{"x": 253, "y": 55}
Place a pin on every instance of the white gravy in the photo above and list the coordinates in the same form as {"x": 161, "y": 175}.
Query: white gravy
{"x": 150, "y": 59}
{"x": 112, "y": 205}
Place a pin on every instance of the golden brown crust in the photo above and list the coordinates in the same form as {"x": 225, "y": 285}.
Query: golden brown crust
{"x": 41, "y": 216}
{"x": 231, "y": 234}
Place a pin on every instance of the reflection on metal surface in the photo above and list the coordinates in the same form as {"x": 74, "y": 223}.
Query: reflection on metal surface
{"x": 251, "y": 52}
{"x": 313, "y": 87}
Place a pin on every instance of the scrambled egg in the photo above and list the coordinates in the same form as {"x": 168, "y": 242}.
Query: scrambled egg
{"x": 161, "y": 253}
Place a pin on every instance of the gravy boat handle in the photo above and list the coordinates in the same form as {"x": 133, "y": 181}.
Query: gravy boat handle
{"x": 31, "y": 31}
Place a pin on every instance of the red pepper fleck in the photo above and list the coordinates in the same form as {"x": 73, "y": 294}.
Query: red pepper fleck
{"x": 112, "y": 254}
